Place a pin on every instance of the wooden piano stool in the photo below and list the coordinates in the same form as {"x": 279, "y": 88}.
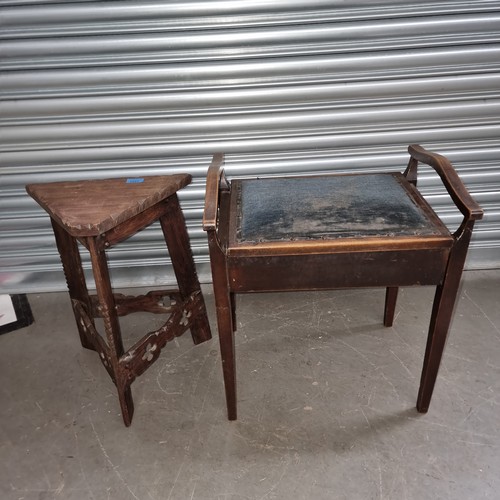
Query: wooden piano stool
{"x": 336, "y": 231}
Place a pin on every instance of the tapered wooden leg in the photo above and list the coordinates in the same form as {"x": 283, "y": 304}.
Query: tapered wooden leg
{"x": 226, "y": 341}
{"x": 111, "y": 327}
{"x": 177, "y": 240}
{"x": 126, "y": 404}
{"x": 391, "y": 296}
{"x": 75, "y": 279}
{"x": 224, "y": 305}
{"x": 442, "y": 312}
{"x": 233, "y": 310}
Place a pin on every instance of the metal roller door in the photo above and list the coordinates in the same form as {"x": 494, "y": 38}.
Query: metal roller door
{"x": 127, "y": 88}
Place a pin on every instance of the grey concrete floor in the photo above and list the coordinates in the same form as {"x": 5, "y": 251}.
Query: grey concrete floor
{"x": 326, "y": 405}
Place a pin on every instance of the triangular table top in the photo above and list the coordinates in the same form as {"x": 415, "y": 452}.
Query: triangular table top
{"x": 92, "y": 207}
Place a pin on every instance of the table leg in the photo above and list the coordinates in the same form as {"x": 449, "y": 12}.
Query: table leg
{"x": 111, "y": 327}
{"x": 177, "y": 239}
{"x": 75, "y": 279}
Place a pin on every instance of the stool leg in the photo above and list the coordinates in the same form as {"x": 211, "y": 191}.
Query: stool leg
{"x": 75, "y": 279}
{"x": 226, "y": 341}
{"x": 442, "y": 312}
{"x": 225, "y": 310}
{"x": 111, "y": 327}
{"x": 391, "y": 296}
{"x": 233, "y": 309}
{"x": 177, "y": 239}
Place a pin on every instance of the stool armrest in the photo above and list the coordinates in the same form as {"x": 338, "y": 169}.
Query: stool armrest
{"x": 452, "y": 182}
{"x": 214, "y": 176}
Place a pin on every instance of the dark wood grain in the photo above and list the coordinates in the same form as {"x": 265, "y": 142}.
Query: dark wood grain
{"x": 100, "y": 214}
{"x": 92, "y": 207}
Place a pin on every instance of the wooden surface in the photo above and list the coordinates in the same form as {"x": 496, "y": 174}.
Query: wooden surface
{"x": 89, "y": 208}
{"x": 100, "y": 214}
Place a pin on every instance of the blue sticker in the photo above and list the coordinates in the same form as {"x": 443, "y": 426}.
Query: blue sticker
{"x": 135, "y": 180}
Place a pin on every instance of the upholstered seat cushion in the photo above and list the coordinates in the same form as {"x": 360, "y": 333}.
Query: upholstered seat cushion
{"x": 329, "y": 207}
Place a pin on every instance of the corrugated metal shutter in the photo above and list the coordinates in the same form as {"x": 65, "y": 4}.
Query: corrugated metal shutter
{"x": 122, "y": 88}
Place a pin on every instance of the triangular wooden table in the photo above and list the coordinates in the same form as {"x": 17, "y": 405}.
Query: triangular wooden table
{"x": 100, "y": 214}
